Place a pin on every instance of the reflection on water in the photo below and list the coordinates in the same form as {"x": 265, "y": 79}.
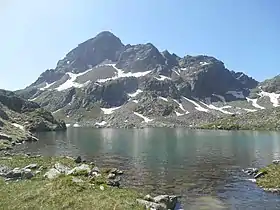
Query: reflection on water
{"x": 203, "y": 166}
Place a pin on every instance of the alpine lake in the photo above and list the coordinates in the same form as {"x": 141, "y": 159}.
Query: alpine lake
{"x": 204, "y": 167}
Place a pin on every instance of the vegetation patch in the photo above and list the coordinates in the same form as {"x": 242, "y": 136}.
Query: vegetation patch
{"x": 271, "y": 178}
{"x": 61, "y": 192}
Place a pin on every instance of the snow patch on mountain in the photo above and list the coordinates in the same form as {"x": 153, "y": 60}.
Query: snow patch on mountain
{"x": 101, "y": 123}
{"x": 162, "y": 98}
{"x": 176, "y": 72}
{"x": 178, "y": 114}
{"x": 162, "y": 77}
{"x": 135, "y": 101}
{"x": 197, "y": 106}
{"x": 272, "y": 96}
{"x": 254, "y": 103}
{"x": 120, "y": 74}
{"x": 135, "y": 93}
{"x": 109, "y": 110}
{"x": 71, "y": 81}
{"x": 203, "y": 63}
{"x": 221, "y": 109}
{"x": 47, "y": 86}
{"x": 181, "y": 106}
{"x": 146, "y": 119}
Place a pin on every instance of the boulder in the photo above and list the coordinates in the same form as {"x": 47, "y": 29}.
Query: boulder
{"x": 114, "y": 182}
{"x": 111, "y": 176}
{"x": 169, "y": 201}
{"x": 149, "y": 198}
{"x": 27, "y": 174}
{"x": 78, "y": 159}
{"x": 276, "y": 162}
{"x": 31, "y": 166}
{"x": 151, "y": 205}
{"x": 116, "y": 171}
{"x": 95, "y": 172}
{"x": 82, "y": 169}
{"x": 162, "y": 202}
{"x": 52, "y": 174}
{"x": 4, "y": 136}
{"x": 14, "y": 174}
{"x": 4, "y": 170}
{"x": 61, "y": 168}
{"x": 250, "y": 171}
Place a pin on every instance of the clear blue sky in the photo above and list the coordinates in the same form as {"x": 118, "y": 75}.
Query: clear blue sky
{"x": 35, "y": 34}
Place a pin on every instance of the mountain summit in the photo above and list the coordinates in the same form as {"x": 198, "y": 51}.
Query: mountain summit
{"x": 103, "y": 82}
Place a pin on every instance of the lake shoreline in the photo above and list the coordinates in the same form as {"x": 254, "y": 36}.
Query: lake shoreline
{"x": 31, "y": 173}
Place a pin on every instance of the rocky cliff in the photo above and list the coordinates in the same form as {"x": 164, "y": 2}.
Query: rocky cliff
{"x": 103, "y": 82}
{"x": 20, "y": 117}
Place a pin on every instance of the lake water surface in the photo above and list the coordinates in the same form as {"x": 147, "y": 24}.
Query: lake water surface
{"x": 202, "y": 166}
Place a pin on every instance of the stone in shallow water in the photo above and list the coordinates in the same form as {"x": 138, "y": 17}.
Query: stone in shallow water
{"x": 52, "y": 174}
{"x": 151, "y": 205}
{"x": 273, "y": 190}
{"x": 276, "y": 162}
{"x": 260, "y": 174}
{"x": 250, "y": 171}
{"x": 78, "y": 159}
{"x": 114, "y": 182}
{"x": 111, "y": 176}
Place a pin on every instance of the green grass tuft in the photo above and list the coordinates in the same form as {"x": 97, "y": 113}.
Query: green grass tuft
{"x": 61, "y": 193}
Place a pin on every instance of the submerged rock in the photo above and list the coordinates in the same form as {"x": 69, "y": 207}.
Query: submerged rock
{"x": 114, "y": 182}
{"x": 18, "y": 173}
{"x": 162, "y": 202}
{"x": 116, "y": 171}
{"x": 260, "y": 174}
{"x": 150, "y": 205}
{"x": 273, "y": 190}
{"x": 276, "y": 162}
{"x": 111, "y": 176}
{"x": 250, "y": 171}
{"x": 78, "y": 159}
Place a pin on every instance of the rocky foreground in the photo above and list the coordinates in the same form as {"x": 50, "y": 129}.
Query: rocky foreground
{"x": 267, "y": 178}
{"x": 35, "y": 182}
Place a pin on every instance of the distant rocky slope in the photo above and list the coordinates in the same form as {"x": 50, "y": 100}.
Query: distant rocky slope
{"x": 267, "y": 119}
{"x": 19, "y": 117}
{"x": 104, "y": 83}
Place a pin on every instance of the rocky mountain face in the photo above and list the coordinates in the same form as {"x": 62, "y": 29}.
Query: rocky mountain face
{"x": 103, "y": 82}
{"x": 20, "y": 117}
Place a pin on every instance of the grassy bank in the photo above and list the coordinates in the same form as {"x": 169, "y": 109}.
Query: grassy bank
{"x": 271, "y": 178}
{"x": 62, "y": 192}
